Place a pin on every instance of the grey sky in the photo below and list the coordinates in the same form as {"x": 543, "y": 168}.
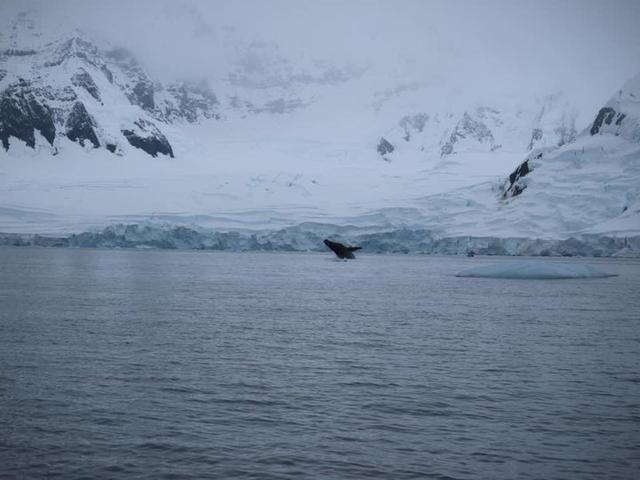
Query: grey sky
{"x": 588, "y": 47}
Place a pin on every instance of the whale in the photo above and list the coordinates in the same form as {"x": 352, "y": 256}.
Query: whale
{"x": 341, "y": 251}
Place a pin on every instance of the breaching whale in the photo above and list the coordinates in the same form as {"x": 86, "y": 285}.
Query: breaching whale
{"x": 341, "y": 250}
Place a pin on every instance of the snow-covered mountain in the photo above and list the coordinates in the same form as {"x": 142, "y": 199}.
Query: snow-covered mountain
{"x": 68, "y": 85}
{"x": 431, "y": 133}
{"x": 90, "y": 138}
{"x": 100, "y": 97}
{"x": 593, "y": 184}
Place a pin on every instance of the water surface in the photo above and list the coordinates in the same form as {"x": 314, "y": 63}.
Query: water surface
{"x": 156, "y": 364}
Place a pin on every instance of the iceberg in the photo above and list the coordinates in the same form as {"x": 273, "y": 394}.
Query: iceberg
{"x": 534, "y": 270}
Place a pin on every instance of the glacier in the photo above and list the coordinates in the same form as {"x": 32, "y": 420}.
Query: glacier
{"x": 309, "y": 237}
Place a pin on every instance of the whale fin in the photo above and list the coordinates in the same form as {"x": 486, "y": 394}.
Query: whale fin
{"x": 341, "y": 251}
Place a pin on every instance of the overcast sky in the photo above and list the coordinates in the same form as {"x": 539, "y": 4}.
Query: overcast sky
{"x": 588, "y": 47}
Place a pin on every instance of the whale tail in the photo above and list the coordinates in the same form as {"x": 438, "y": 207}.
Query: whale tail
{"x": 341, "y": 251}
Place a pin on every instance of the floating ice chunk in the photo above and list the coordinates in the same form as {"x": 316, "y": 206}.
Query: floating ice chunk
{"x": 534, "y": 270}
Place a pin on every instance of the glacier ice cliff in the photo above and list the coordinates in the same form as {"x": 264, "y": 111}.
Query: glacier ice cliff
{"x": 309, "y": 236}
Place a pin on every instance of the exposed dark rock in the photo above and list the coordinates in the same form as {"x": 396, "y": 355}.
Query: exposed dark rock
{"x": 192, "y": 101}
{"x": 515, "y": 187}
{"x": 522, "y": 171}
{"x": 385, "y": 147}
{"x": 80, "y": 126}
{"x": 149, "y": 139}
{"x": 142, "y": 95}
{"x": 111, "y": 147}
{"x": 107, "y": 73}
{"x": 66, "y": 94}
{"x": 75, "y": 47}
{"x": 16, "y": 52}
{"x": 82, "y": 79}
{"x": 21, "y": 114}
{"x": 468, "y": 127}
{"x": 605, "y": 115}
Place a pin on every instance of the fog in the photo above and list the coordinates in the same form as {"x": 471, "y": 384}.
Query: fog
{"x": 586, "y": 48}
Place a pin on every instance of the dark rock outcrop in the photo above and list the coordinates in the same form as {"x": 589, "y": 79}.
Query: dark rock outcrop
{"x": 469, "y": 127}
{"x": 384, "y": 148}
{"x": 53, "y": 99}
{"x": 80, "y": 126}
{"x": 610, "y": 120}
{"x": 142, "y": 95}
{"x": 82, "y": 79}
{"x": 65, "y": 94}
{"x": 107, "y": 73}
{"x": 519, "y": 172}
{"x": 515, "y": 187}
{"x": 75, "y": 47}
{"x": 21, "y": 114}
{"x": 148, "y": 138}
{"x": 16, "y": 52}
{"x": 192, "y": 101}
{"x": 605, "y": 115}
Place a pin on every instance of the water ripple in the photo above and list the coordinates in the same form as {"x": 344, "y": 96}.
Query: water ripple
{"x": 127, "y": 364}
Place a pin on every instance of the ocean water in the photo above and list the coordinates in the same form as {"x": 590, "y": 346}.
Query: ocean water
{"x": 161, "y": 364}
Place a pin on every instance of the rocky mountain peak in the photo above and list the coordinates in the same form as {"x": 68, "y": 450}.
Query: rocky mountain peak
{"x": 59, "y": 90}
{"x": 620, "y": 116}
{"x": 22, "y": 113}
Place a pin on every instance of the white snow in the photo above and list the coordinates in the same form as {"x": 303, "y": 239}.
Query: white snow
{"x": 254, "y": 169}
{"x": 270, "y": 171}
{"x": 534, "y": 270}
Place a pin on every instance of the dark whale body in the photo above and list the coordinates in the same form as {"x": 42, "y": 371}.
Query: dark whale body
{"x": 341, "y": 250}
